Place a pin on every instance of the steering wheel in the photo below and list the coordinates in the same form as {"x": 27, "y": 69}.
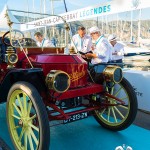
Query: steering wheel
{"x": 15, "y": 36}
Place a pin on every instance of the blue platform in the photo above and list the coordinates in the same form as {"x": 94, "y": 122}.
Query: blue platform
{"x": 87, "y": 134}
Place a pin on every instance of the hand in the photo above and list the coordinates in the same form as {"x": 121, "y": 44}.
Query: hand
{"x": 92, "y": 47}
{"x": 89, "y": 55}
{"x": 83, "y": 56}
{"x": 119, "y": 53}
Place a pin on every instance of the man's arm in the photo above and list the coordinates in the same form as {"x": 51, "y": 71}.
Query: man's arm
{"x": 48, "y": 43}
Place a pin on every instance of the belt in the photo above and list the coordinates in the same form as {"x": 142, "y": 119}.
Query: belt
{"x": 115, "y": 61}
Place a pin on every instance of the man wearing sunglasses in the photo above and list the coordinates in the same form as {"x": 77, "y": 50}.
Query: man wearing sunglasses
{"x": 101, "y": 49}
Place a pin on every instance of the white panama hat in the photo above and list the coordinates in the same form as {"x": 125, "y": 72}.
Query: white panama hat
{"x": 94, "y": 29}
{"x": 112, "y": 37}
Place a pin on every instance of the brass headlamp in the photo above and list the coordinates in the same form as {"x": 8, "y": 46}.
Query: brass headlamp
{"x": 113, "y": 74}
{"x": 58, "y": 81}
{"x": 11, "y": 57}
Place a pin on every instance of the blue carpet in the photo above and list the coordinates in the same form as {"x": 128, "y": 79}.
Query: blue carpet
{"x": 87, "y": 134}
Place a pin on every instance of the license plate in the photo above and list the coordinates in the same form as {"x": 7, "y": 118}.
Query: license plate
{"x": 76, "y": 117}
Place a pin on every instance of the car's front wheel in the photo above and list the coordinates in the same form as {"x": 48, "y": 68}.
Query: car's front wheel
{"x": 27, "y": 118}
{"x": 114, "y": 115}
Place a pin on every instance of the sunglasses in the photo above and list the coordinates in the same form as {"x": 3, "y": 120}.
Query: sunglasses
{"x": 94, "y": 33}
{"x": 114, "y": 39}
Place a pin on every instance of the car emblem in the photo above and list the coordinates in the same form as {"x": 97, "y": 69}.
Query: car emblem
{"x": 76, "y": 75}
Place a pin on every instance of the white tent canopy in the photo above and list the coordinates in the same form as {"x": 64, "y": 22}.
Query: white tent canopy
{"x": 3, "y": 20}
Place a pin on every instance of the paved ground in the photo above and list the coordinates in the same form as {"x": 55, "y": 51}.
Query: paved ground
{"x": 142, "y": 120}
{"x": 3, "y": 145}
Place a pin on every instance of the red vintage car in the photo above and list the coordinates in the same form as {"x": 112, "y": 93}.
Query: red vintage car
{"x": 44, "y": 84}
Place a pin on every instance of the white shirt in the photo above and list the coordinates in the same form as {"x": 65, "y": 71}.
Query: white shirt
{"x": 119, "y": 49}
{"x": 81, "y": 44}
{"x": 45, "y": 43}
{"x": 102, "y": 51}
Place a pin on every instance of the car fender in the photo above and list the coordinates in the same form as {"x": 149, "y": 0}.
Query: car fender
{"x": 34, "y": 76}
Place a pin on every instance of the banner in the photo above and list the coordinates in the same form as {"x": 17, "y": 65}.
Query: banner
{"x": 115, "y": 6}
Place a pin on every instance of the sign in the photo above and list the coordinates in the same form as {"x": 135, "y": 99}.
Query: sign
{"x": 68, "y": 17}
{"x": 88, "y": 12}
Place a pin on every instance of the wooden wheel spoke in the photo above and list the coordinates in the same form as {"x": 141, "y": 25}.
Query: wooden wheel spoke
{"x": 21, "y": 134}
{"x": 108, "y": 115}
{"x": 118, "y": 91}
{"x": 25, "y": 141}
{"x": 124, "y": 98}
{"x": 17, "y": 109}
{"x": 29, "y": 107}
{"x": 34, "y": 127}
{"x": 34, "y": 137}
{"x": 112, "y": 90}
{"x": 118, "y": 111}
{"x": 114, "y": 114}
{"x": 20, "y": 103}
{"x": 123, "y": 106}
{"x": 16, "y": 117}
{"x": 103, "y": 111}
{"x": 33, "y": 117}
{"x": 25, "y": 103}
{"x": 16, "y": 127}
{"x": 30, "y": 141}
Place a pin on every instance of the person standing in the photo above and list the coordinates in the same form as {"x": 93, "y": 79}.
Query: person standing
{"x": 101, "y": 49}
{"x": 41, "y": 41}
{"x": 117, "y": 50}
{"x": 81, "y": 42}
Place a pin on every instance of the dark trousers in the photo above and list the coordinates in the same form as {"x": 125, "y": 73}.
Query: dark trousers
{"x": 119, "y": 61}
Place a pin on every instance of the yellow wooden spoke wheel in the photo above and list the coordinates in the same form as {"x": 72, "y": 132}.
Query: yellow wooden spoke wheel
{"x": 118, "y": 116}
{"x": 27, "y": 118}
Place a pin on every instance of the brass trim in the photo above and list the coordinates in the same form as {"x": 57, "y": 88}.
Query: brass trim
{"x": 109, "y": 75}
{"x": 50, "y": 78}
{"x": 10, "y": 60}
{"x": 10, "y": 51}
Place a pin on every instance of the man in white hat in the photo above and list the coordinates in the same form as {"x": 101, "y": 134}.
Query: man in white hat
{"x": 81, "y": 42}
{"x": 117, "y": 50}
{"x": 101, "y": 48}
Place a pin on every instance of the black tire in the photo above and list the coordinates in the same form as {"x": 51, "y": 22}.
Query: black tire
{"x": 26, "y": 114}
{"x": 125, "y": 114}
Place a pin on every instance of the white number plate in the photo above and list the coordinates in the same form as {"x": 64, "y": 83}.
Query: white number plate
{"x": 76, "y": 117}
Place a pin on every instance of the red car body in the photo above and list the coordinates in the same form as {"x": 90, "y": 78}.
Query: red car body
{"x": 28, "y": 76}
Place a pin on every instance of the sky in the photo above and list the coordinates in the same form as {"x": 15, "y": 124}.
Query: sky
{"x": 38, "y": 5}
{"x": 2, "y": 3}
